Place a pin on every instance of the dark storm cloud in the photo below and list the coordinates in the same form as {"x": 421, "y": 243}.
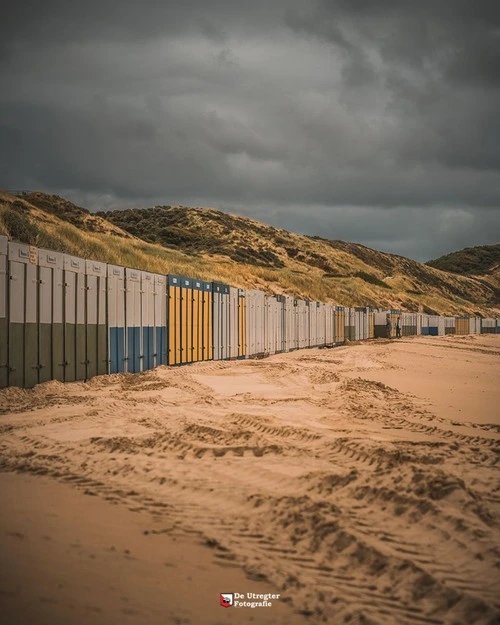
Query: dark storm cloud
{"x": 128, "y": 19}
{"x": 368, "y": 121}
{"x": 438, "y": 62}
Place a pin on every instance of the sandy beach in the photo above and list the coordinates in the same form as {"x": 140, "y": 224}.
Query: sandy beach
{"x": 360, "y": 484}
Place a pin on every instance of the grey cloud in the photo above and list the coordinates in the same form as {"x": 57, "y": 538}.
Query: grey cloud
{"x": 359, "y": 119}
{"x": 129, "y": 20}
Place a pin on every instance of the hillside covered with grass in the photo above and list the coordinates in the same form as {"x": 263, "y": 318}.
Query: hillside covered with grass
{"x": 481, "y": 260}
{"x": 212, "y": 245}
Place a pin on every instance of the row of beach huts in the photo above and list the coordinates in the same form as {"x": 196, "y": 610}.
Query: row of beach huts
{"x": 68, "y": 318}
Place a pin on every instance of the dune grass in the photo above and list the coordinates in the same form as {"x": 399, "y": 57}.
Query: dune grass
{"x": 300, "y": 266}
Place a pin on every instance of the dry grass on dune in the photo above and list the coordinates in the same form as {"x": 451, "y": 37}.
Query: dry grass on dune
{"x": 210, "y": 245}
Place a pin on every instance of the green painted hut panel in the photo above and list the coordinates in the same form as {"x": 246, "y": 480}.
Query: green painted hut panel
{"x": 31, "y": 365}
{"x": 45, "y": 351}
{"x": 4, "y": 356}
{"x": 69, "y": 352}
{"x": 58, "y": 351}
{"x": 81, "y": 352}
{"x": 102, "y": 350}
{"x": 91, "y": 345}
{"x": 16, "y": 354}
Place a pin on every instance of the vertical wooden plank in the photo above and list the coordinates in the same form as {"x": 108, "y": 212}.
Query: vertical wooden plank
{"x": 133, "y": 338}
{"x": 200, "y": 321}
{"x": 56, "y": 262}
{"x": 188, "y": 320}
{"x": 81, "y": 323}
{"x": 210, "y": 311}
{"x": 147, "y": 322}
{"x": 102, "y": 316}
{"x": 70, "y": 286}
{"x": 216, "y": 315}
{"x": 91, "y": 322}
{"x": 4, "y": 328}
{"x": 224, "y": 323}
{"x": 115, "y": 303}
{"x": 206, "y": 354}
{"x": 31, "y": 361}
{"x": 171, "y": 321}
{"x": 23, "y": 315}
{"x": 160, "y": 319}
{"x": 96, "y": 309}
{"x": 17, "y": 259}
{"x": 197, "y": 327}
{"x": 45, "y": 322}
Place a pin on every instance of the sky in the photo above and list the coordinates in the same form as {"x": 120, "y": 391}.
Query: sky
{"x": 369, "y": 121}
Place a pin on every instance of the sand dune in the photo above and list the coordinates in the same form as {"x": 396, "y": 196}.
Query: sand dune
{"x": 361, "y": 483}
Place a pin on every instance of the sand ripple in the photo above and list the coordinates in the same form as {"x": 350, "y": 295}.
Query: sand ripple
{"x": 363, "y": 502}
